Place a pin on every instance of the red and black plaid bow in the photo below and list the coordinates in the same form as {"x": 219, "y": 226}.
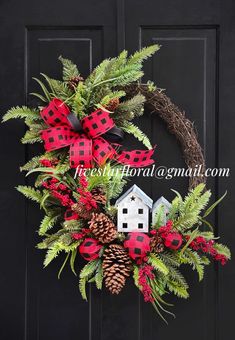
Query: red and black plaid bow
{"x": 84, "y": 137}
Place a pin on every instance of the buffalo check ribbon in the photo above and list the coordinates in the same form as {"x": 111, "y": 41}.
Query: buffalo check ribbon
{"x": 87, "y": 138}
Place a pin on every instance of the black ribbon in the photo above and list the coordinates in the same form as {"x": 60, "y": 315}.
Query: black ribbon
{"x": 114, "y": 135}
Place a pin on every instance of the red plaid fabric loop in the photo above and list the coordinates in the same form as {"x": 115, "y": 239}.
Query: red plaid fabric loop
{"x": 136, "y": 158}
{"x": 81, "y": 153}
{"x": 57, "y": 137}
{"x": 55, "y": 113}
{"x": 102, "y": 150}
{"x": 97, "y": 123}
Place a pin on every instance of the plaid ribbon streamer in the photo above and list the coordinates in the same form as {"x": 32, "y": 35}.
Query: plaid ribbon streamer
{"x": 84, "y": 139}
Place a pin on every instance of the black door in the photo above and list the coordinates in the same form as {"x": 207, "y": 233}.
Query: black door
{"x": 196, "y": 65}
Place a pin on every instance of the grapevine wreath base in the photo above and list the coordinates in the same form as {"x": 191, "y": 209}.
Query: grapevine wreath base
{"x": 82, "y": 123}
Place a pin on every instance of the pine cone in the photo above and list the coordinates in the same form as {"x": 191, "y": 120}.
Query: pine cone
{"x": 103, "y": 228}
{"x": 116, "y": 267}
{"x": 99, "y": 195}
{"x": 82, "y": 212}
{"x": 73, "y": 82}
{"x": 156, "y": 244}
{"x": 113, "y": 104}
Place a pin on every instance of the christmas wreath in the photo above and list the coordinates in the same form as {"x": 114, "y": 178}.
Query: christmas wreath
{"x": 82, "y": 124}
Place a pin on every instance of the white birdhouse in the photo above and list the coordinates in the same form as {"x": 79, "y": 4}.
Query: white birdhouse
{"x": 133, "y": 210}
{"x": 156, "y": 206}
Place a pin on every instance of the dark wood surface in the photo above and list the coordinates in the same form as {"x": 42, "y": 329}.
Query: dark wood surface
{"x": 196, "y": 66}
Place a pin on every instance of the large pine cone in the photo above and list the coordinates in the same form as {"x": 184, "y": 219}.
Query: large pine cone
{"x": 156, "y": 244}
{"x": 73, "y": 82}
{"x": 117, "y": 267}
{"x": 99, "y": 195}
{"x": 81, "y": 210}
{"x": 113, "y": 104}
{"x": 103, "y": 227}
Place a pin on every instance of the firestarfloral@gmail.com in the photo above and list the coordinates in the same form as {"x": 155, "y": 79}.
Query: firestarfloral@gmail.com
{"x": 160, "y": 172}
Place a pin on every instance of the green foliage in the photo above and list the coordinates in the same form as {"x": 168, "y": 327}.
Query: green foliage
{"x": 129, "y": 109}
{"x": 56, "y": 247}
{"x": 112, "y": 95}
{"x": 72, "y": 260}
{"x": 99, "y": 275}
{"x": 176, "y": 276}
{"x": 89, "y": 268}
{"x": 31, "y": 164}
{"x": 30, "y": 192}
{"x": 117, "y": 72}
{"x": 170, "y": 259}
{"x": 159, "y": 217}
{"x": 79, "y": 102}
{"x": 70, "y": 70}
{"x": 157, "y": 264}
{"x": 137, "y": 133}
{"x": 214, "y": 205}
{"x": 58, "y": 89}
{"x": 31, "y": 137}
{"x": 82, "y": 287}
{"x": 21, "y": 112}
{"x": 177, "y": 289}
{"x": 190, "y": 208}
{"x": 47, "y": 223}
{"x": 191, "y": 257}
{"x": 110, "y": 178}
{"x": 63, "y": 265}
{"x": 115, "y": 185}
{"x": 143, "y": 54}
{"x": 52, "y": 253}
{"x": 136, "y": 276}
{"x": 223, "y": 250}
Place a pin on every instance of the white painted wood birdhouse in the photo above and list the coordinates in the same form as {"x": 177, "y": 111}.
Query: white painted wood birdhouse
{"x": 133, "y": 208}
{"x": 156, "y": 206}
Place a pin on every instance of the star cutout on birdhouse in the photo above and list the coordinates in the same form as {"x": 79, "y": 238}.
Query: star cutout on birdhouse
{"x": 133, "y": 210}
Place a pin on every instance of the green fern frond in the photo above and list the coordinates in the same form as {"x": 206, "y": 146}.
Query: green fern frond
{"x": 70, "y": 70}
{"x": 31, "y": 137}
{"x": 31, "y": 164}
{"x": 175, "y": 208}
{"x": 170, "y": 259}
{"x": 136, "y": 276}
{"x": 108, "y": 97}
{"x": 82, "y": 287}
{"x": 22, "y": 113}
{"x": 89, "y": 268}
{"x": 223, "y": 250}
{"x": 129, "y": 109}
{"x": 79, "y": 102}
{"x": 143, "y": 54}
{"x": 30, "y": 192}
{"x": 137, "y": 133}
{"x": 177, "y": 289}
{"x": 158, "y": 264}
{"x": 47, "y": 223}
{"x": 159, "y": 217}
{"x": 176, "y": 276}
{"x": 191, "y": 207}
{"x": 99, "y": 275}
{"x": 52, "y": 253}
{"x": 191, "y": 257}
